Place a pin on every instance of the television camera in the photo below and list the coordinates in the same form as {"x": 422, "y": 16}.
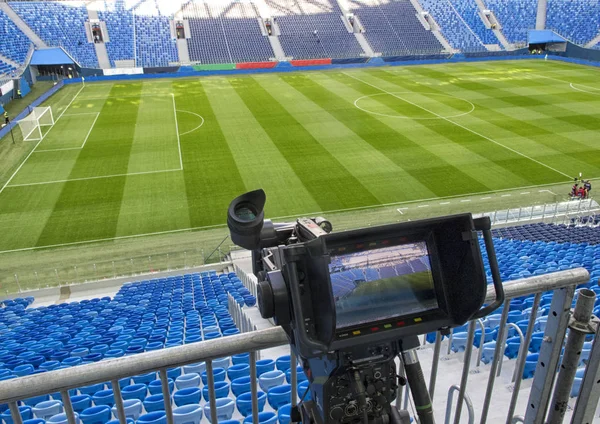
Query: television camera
{"x": 352, "y": 302}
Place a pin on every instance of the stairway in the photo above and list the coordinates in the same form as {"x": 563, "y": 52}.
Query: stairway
{"x": 9, "y": 61}
{"x": 277, "y": 49}
{"x": 362, "y": 40}
{"x": 593, "y": 41}
{"x": 433, "y": 26}
{"x": 37, "y": 41}
{"x": 183, "y": 52}
{"x": 101, "y": 53}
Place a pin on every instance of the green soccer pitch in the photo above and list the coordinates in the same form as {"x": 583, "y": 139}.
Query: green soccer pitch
{"x": 157, "y": 156}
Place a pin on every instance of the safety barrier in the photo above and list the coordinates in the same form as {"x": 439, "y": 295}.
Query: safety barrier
{"x": 246, "y": 345}
{"x": 310, "y": 62}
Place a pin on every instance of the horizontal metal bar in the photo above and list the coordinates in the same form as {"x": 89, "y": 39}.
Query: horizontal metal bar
{"x": 127, "y": 366}
{"x": 541, "y": 283}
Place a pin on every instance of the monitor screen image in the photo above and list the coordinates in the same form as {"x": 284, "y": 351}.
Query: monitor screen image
{"x": 378, "y": 284}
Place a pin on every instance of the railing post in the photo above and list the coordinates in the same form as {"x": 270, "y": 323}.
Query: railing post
{"x": 15, "y": 413}
{"x": 68, "y": 406}
{"x": 119, "y": 401}
{"x": 470, "y": 409}
{"x": 465, "y": 373}
{"x": 211, "y": 391}
{"x": 580, "y": 326}
{"x": 434, "y": 364}
{"x": 589, "y": 394}
{"x": 164, "y": 381}
{"x": 545, "y": 371}
{"x": 294, "y": 377}
{"x": 253, "y": 388}
{"x": 496, "y": 361}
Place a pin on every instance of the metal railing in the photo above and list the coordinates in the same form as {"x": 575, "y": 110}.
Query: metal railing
{"x": 558, "y": 213}
{"x": 563, "y": 284}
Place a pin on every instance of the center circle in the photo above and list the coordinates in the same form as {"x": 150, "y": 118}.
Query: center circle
{"x": 418, "y": 106}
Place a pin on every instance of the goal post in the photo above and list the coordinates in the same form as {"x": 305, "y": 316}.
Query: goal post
{"x": 31, "y": 125}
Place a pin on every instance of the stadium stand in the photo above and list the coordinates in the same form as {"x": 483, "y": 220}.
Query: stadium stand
{"x": 553, "y": 233}
{"x": 119, "y": 24}
{"x": 469, "y": 12}
{"x": 15, "y": 44}
{"x": 241, "y": 29}
{"x": 392, "y": 28}
{"x": 453, "y": 26}
{"x": 312, "y": 30}
{"x": 154, "y": 43}
{"x": 577, "y": 21}
{"x": 225, "y": 32}
{"x": 517, "y": 17}
{"x": 6, "y": 68}
{"x": 60, "y": 24}
{"x": 142, "y": 316}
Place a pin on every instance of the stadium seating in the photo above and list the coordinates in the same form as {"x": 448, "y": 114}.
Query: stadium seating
{"x": 453, "y": 26}
{"x": 392, "y": 28}
{"x": 517, "y": 17}
{"x": 469, "y": 12}
{"x": 312, "y": 30}
{"x": 60, "y": 24}
{"x": 225, "y": 32}
{"x": 15, "y": 44}
{"x": 577, "y": 21}
{"x": 154, "y": 44}
{"x": 6, "y": 69}
{"x": 119, "y": 24}
{"x": 553, "y": 233}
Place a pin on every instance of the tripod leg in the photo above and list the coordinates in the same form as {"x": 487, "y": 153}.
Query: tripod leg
{"x": 418, "y": 388}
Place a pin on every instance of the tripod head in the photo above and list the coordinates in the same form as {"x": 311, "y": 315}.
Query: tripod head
{"x": 351, "y": 302}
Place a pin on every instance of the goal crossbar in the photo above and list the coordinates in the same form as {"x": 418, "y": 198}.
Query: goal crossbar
{"x": 31, "y": 125}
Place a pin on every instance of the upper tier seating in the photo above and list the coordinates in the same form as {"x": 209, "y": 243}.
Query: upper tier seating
{"x": 15, "y": 44}
{"x": 225, "y": 32}
{"x": 392, "y": 28}
{"x": 119, "y": 23}
{"x": 60, "y": 24}
{"x": 469, "y": 11}
{"x": 455, "y": 29}
{"x": 517, "y": 17}
{"x": 578, "y": 20}
{"x": 313, "y": 29}
{"x": 154, "y": 43}
{"x": 551, "y": 233}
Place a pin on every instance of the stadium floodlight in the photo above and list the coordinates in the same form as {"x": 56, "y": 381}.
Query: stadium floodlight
{"x": 31, "y": 125}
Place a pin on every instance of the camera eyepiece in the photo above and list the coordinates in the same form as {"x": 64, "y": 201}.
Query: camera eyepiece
{"x": 245, "y": 218}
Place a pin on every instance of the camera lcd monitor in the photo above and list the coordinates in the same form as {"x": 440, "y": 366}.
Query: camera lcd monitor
{"x": 380, "y": 283}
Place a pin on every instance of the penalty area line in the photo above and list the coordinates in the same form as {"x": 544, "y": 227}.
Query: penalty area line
{"x": 41, "y": 139}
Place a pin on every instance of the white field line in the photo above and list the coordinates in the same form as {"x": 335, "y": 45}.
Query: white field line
{"x": 42, "y": 139}
{"x": 57, "y": 150}
{"x": 95, "y": 178}
{"x": 177, "y": 132}
{"x": 82, "y": 113}
{"x": 461, "y": 126}
{"x": 284, "y": 217}
{"x": 192, "y": 113}
{"x": 597, "y": 93}
{"x": 90, "y": 131}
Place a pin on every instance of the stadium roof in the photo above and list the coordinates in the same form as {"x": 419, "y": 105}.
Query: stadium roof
{"x": 55, "y": 56}
{"x": 544, "y": 36}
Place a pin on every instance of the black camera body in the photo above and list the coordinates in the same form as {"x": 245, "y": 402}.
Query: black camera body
{"x": 351, "y": 302}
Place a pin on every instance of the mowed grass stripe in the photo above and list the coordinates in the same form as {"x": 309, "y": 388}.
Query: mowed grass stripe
{"x": 211, "y": 176}
{"x": 430, "y": 170}
{"x": 24, "y": 212}
{"x": 154, "y": 202}
{"x": 477, "y": 168}
{"x": 260, "y": 163}
{"x": 382, "y": 177}
{"x": 548, "y": 146}
{"x": 89, "y": 209}
{"x": 534, "y": 173}
{"x": 329, "y": 183}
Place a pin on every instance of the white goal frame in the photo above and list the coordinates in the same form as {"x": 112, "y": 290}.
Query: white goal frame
{"x": 31, "y": 125}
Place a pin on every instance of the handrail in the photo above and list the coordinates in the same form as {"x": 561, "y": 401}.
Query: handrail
{"x": 142, "y": 363}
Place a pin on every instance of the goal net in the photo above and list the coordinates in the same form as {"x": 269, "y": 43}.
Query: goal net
{"x": 31, "y": 125}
